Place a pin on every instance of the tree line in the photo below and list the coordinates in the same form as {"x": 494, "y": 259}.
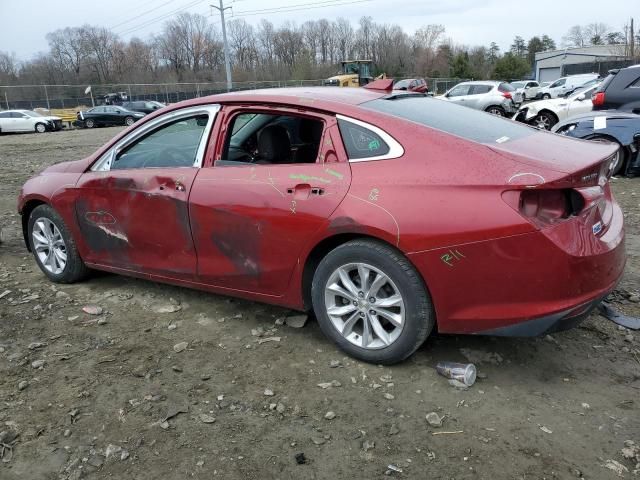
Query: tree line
{"x": 189, "y": 49}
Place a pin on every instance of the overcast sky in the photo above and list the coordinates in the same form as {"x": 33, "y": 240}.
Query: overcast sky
{"x": 24, "y": 23}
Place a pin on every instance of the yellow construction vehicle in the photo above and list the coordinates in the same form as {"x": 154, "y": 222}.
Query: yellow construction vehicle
{"x": 354, "y": 73}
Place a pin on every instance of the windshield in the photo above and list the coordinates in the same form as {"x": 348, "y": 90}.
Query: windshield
{"x": 518, "y": 84}
{"x": 587, "y": 91}
{"x": 32, "y": 114}
{"x": 457, "y": 120}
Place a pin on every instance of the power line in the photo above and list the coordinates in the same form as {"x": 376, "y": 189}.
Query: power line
{"x": 159, "y": 18}
{"x": 298, "y": 7}
{"x": 140, "y": 14}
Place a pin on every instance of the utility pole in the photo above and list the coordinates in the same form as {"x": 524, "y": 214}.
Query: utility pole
{"x": 631, "y": 40}
{"x": 227, "y": 60}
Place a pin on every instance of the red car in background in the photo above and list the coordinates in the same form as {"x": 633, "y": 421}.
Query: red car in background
{"x": 418, "y": 85}
{"x": 388, "y": 214}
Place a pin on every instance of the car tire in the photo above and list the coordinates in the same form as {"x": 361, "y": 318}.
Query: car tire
{"x": 544, "y": 120}
{"x": 362, "y": 331}
{"x": 524, "y": 97}
{"x": 40, "y": 128}
{"x": 496, "y": 110}
{"x": 53, "y": 246}
{"x": 89, "y": 123}
{"x": 621, "y": 158}
{"x": 128, "y": 121}
{"x": 546, "y": 96}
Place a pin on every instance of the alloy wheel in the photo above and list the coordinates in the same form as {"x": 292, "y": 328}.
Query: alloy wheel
{"x": 543, "y": 122}
{"x": 128, "y": 121}
{"x": 40, "y": 128}
{"x": 49, "y": 245}
{"x": 364, "y": 305}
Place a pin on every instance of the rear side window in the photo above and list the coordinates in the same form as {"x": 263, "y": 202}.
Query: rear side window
{"x": 451, "y": 118}
{"x": 360, "y": 142}
{"x": 459, "y": 91}
{"x": 605, "y": 83}
{"x": 478, "y": 89}
{"x": 505, "y": 87}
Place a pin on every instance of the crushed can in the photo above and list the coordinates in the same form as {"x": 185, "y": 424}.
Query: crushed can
{"x": 464, "y": 373}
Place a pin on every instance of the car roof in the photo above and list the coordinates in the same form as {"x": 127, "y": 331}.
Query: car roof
{"x": 335, "y": 99}
{"x": 482, "y": 82}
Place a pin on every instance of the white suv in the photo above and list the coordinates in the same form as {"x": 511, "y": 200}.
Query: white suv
{"x": 498, "y": 98}
{"x": 565, "y": 84}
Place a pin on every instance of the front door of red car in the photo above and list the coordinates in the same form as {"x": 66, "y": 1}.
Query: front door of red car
{"x": 276, "y": 180}
{"x": 132, "y": 209}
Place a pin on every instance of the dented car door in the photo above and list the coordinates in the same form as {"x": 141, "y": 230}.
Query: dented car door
{"x": 132, "y": 207}
{"x": 251, "y": 221}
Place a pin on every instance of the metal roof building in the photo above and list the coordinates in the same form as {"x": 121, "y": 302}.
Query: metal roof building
{"x": 554, "y": 64}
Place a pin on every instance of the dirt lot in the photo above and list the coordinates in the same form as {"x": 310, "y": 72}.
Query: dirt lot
{"x": 114, "y": 400}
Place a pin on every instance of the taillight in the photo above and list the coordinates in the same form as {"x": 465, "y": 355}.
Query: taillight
{"x": 598, "y": 99}
{"x": 506, "y": 94}
{"x": 545, "y": 207}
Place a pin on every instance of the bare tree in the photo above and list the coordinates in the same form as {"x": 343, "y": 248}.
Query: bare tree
{"x": 68, "y": 49}
{"x": 596, "y": 33}
{"x": 575, "y": 37}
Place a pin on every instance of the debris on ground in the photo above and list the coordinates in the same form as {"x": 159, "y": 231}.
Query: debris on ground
{"x": 92, "y": 310}
{"x": 179, "y": 347}
{"x": 481, "y": 356}
{"x": 332, "y": 383}
{"x": 296, "y": 321}
{"x": 616, "y": 466}
{"x": 300, "y": 458}
{"x": 167, "y": 308}
{"x": 607, "y": 311}
{"x": 330, "y": 415}
{"x": 434, "y": 419}
{"x": 205, "y": 418}
{"x": 459, "y": 374}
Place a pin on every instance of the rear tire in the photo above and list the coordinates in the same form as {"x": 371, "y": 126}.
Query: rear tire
{"x": 52, "y": 246}
{"x": 40, "y": 128}
{"x": 89, "y": 123}
{"x": 384, "y": 322}
{"x": 496, "y": 110}
{"x": 546, "y": 96}
{"x": 128, "y": 121}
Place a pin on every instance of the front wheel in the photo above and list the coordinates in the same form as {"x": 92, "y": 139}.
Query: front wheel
{"x": 128, "y": 121}
{"x": 546, "y": 96}
{"x": 41, "y": 128}
{"x": 371, "y": 302}
{"x": 545, "y": 120}
{"x": 53, "y": 246}
{"x": 89, "y": 123}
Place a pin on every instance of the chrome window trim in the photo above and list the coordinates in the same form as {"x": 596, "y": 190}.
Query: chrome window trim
{"x": 395, "y": 149}
{"x": 104, "y": 163}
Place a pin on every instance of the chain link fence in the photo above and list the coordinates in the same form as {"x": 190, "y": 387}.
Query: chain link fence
{"x": 50, "y": 97}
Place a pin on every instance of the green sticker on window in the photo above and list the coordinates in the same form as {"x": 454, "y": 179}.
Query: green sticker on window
{"x": 374, "y": 144}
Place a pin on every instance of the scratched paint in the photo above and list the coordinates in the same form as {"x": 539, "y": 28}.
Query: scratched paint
{"x": 373, "y": 194}
{"x": 331, "y": 171}
{"x": 451, "y": 257}
{"x": 100, "y": 218}
{"x": 307, "y": 178}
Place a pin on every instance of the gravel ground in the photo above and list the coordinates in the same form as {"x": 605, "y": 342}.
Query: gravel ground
{"x": 114, "y": 396}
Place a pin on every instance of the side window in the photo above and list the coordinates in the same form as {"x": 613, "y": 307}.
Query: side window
{"x": 173, "y": 145}
{"x": 478, "y": 89}
{"x": 558, "y": 83}
{"x": 459, "y": 91}
{"x": 360, "y": 142}
{"x": 5, "y": 115}
{"x": 271, "y": 139}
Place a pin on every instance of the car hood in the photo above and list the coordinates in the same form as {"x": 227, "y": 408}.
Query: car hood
{"x": 51, "y": 117}
{"x": 552, "y": 104}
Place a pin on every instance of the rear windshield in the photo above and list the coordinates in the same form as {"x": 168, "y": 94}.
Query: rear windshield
{"x": 505, "y": 87}
{"x": 605, "y": 83}
{"x": 454, "y": 119}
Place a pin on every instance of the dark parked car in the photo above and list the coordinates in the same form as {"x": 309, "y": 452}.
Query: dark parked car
{"x": 620, "y": 128}
{"x": 143, "y": 106}
{"x": 412, "y": 85}
{"x": 107, "y": 115}
{"x": 619, "y": 91}
{"x": 354, "y": 222}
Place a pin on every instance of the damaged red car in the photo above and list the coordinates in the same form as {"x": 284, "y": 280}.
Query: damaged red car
{"x": 387, "y": 214}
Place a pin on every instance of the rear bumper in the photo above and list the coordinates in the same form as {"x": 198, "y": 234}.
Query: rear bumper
{"x": 526, "y": 284}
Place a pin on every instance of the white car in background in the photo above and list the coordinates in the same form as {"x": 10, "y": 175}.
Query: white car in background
{"x": 544, "y": 114}
{"x": 527, "y": 88}
{"x": 27, "y": 121}
{"x": 497, "y": 98}
{"x": 565, "y": 84}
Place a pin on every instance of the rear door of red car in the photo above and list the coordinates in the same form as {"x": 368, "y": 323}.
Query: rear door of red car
{"x": 132, "y": 207}
{"x": 251, "y": 220}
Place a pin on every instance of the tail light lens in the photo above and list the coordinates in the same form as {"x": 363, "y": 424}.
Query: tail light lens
{"x": 506, "y": 94}
{"x": 598, "y": 99}
{"x": 545, "y": 207}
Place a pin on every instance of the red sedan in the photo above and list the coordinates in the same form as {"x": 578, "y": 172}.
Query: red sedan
{"x": 388, "y": 214}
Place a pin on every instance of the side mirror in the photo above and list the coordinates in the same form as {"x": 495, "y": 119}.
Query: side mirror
{"x": 527, "y": 87}
{"x": 581, "y": 97}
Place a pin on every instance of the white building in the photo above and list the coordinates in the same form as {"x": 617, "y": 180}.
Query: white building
{"x": 554, "y": 64}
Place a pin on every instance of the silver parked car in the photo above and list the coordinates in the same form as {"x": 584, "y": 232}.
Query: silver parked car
{"x": 498, "y": 98}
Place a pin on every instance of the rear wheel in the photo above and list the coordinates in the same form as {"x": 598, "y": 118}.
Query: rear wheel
{"x": 89, "y": 123}
{"x": 128, "y": 121}
{"x": 545, "y": 120}
{"x": 53, "y": 246}
{"x": 546, "y": 96}
{"x": 496, "y": 110}
{"x": 41, "y": 128}
{"x": 621, "y": 155}
{"x": 371, "y": 302}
